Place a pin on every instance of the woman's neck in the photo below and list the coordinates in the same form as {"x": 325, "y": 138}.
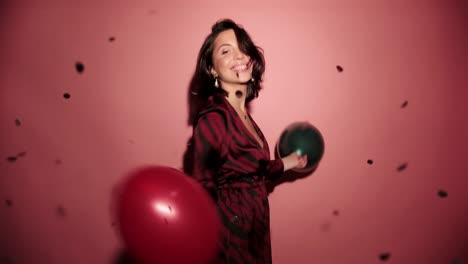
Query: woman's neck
{"x": 236, "y": 97}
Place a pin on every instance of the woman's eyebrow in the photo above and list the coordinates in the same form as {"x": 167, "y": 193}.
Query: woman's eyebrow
{"x": 224, "y": 44}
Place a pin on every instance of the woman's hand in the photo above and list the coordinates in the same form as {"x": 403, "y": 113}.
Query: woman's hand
{"x": 294, "y": 161}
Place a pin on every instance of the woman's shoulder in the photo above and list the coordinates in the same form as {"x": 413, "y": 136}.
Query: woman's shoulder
{"x": 214, "y": 104}
{"x": 214, "y": 107}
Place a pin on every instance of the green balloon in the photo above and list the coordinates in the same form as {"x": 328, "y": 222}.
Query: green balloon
{"x": 304, "y": 139}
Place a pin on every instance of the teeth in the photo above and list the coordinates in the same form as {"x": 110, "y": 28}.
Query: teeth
{"x": 240, "y": 67}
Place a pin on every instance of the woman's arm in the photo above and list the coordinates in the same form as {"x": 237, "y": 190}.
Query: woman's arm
{"x": 275, "y": 168}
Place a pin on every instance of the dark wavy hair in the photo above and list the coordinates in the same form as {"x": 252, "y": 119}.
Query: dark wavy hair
{"x": 205, "y": 81}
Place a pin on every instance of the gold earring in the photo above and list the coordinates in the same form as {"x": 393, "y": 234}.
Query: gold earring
{"x": 216, "y": 82}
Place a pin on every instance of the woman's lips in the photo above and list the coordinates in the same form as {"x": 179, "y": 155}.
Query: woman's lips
{"x": 240, "y": 68}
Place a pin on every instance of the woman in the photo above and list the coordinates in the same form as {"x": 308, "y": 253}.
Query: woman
{"x": 231, "y": 157}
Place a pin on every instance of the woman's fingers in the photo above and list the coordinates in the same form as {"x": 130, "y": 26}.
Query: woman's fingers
{"x": 302, "y": 161}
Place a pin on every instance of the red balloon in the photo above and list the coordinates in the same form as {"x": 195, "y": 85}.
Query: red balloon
{"x": 167, "y": 217}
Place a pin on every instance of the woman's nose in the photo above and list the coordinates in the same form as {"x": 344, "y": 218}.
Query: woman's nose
{"x": 239, "y": 55}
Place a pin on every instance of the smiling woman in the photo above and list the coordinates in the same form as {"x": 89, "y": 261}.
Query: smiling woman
{"x": 231, "y": 157}
{"x": 230, "y": 64}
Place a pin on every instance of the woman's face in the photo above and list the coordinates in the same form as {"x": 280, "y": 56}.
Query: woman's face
{"x": 230, "y": 64}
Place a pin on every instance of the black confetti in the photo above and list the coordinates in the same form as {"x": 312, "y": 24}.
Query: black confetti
{"x": 111, "y": 39}
{"x": 404, "y": 104}
{"x": 8, "y": 203}
{"x": 370, "y": 162}
{"x": 11, "y": 159}
{"x": 238, "y": 94}
{"x": 60, "y": 210}
{"x": 17, "y": 122}
{"x": 339, "y": 68}
{"x": 325, "y": 226}
{"x": 442, "y": 194}
{"x": 336, "y": 212}
{"x": 79, "y": 67}
{"x": 66, "y": 95}
{"x": 384, "y": 256}
{"x": 21, "y": 154}
{"x": 402, "y": 167}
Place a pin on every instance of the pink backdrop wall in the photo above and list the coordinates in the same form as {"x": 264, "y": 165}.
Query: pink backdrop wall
{"x": 399, "y": 102}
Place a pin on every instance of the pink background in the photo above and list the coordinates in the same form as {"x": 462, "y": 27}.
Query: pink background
{"x": 129, "y": 108}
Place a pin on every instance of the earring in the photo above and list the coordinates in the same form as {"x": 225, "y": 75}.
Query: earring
{"x": 216, "y": 82}
{"x": 253, "y": 80}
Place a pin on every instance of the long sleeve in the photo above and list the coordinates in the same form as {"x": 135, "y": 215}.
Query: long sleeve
{"x": 273, "y": 169}
{"x": 208, "y": 138}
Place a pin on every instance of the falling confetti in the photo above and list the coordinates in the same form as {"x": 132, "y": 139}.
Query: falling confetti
{"x": 370, "y": 162}
{"x": 79, "y": 67}
{"x": 15, "y": 158}
{"x": 404, "y": 104}
{"x": 66, "y": 95}
{"x": 384, "y": 256}
{"x": 442, "y": 194}
{"x": 339, "y": 68}
{"x": 336, "y": 212}
{"x": 60, "y": 210}
{"x": 17, "y": 122}
{"x": 11, "y": 159}
{"x": 325, "y": 227}
{"x": 111, "y": 39}
{"x": 402, "y": 167}
{"x": 8, "y": 203}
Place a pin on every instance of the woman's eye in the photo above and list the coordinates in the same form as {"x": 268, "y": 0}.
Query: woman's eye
{"x": 224, "y": 51}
